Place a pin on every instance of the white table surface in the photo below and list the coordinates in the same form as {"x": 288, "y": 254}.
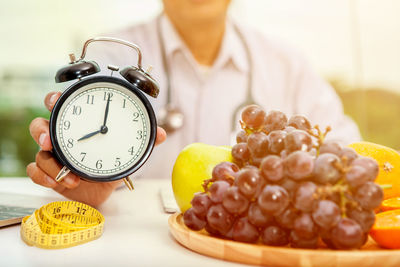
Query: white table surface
{"x": 136, "y": 232}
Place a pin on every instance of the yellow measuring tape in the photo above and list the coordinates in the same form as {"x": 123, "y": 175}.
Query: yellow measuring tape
{"x": 62, "y": 224}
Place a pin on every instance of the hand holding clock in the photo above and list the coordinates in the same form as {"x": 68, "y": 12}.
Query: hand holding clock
{"x": 46, "y": 167}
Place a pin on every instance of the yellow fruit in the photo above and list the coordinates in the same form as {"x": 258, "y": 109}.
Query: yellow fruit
{"x": 389, "y": 165}
{"x": 193, "y": 165}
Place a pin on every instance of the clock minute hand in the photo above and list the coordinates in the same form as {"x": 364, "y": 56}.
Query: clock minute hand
{"x": 89, "y": 135}
{"x": 106, "y": 112}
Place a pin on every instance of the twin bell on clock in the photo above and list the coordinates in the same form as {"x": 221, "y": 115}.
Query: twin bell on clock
{"x": 103, "y": 128}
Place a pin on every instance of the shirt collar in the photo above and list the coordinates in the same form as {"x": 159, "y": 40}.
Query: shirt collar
{"x": 232, "y": 49}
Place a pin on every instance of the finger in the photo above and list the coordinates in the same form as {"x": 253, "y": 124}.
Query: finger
{"x": 51, "y": 99}
{"x": 39, "y": 129}
{"x": 46, "y": 162}
{"x": 40, "y": 177}
{"x": 161, "y": 135}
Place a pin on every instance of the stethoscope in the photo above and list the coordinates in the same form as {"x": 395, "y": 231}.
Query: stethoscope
{"x": 171, "y": 117}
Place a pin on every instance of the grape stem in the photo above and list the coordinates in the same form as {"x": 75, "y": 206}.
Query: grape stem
{"x": 319, "y": 135}
{"x": 250, "y": 130}
{"x": 206, "y": 183}
{"x": 340, "y": 188}
{"x": 385, "y": 186}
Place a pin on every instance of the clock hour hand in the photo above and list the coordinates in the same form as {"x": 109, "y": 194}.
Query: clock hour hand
{"x": 89, "y": 135}
{"x": 106, "y": 112}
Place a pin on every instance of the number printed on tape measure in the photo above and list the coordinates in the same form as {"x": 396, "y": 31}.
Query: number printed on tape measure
{"x": 62, "y": 224}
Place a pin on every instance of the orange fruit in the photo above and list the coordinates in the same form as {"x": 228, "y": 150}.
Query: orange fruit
{"x": 386, "y": 230}
{"x": 390, "y": 204}
{"x": 389, "y": 165}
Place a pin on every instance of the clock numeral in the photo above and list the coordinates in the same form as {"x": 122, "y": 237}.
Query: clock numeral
{"x": 67, "y": 124}
{"x": 117, "y": 162}
{"x": 70, "y": 143}
{"x": 135, "y": 116}
{"x": 106, "y": 96}
{"x": 99, "y": 164}
{"x": 76, "y": 110}
{"x": 123, "y": 106}
{"x": 140, "y": 134}
{"x": 130, "y": 150}
{"x": 90, "y": 99}
{"x": 83, "y": 154}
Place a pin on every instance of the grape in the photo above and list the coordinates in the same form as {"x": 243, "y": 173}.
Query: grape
{"x": 241, "y": 153}
{"x": 305, "y": 226}
{"x": 356, "y": 176}
{"x": 249, "y": 182}
{"x": 273, "y": 199}
{"x": 287, "y": 217}
{"x": 258, "y": 143}
{"x": 299, "y": 122}
{"x": 211, "y": 230}
{"x": 256, "y": 161}
{"x": 305, "y": 196}
{"x": 298, "y": 140}
{"x": 192, "y": 221}
{"x": 348, "y": 154}
{"x": 241, "y": 137}
{"x": 369, "y": 196}
{"x": 334, "y": 197}
{"x": 253, "y": 116}
{"x": 370, "y": 165}
{"x": 276, "y": 141}
{"x": 244, "y": 231}
{"x": 257, "y": 217}
{"x": 326, "y": 169}
{"x": 299, "y": 165}
{"x": 275, "y": 236}
{"x": 289, "y": 129}
{"x": 297, "y": 242}
{"x": 366, "y": 218}
{"x": 275, "y": 120}
{"x": 290, "y": 186}
{"x": 271, "y": 168}
{"x": 332, "y": 147}
{"x": 217, "y": 190}
{"x": 229, "y": 234}
{"x": 347, "y": 234}
{"x": 326, "y": 214}
{"x": 325, "y": 235}
{"x": 200, "y": 204}
{"x": 234, "y": 202}
{"x": 225, "y": 171}
{"x": 219, "y": 219}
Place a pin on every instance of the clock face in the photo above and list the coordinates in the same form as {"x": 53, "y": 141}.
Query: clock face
{"x": 103, "y": 130}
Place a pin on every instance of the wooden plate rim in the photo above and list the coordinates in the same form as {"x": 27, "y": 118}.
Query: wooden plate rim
{"x": 176, "y": 225}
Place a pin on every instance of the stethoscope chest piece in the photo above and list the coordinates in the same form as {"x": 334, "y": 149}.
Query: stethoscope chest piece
{"x": 170, "y": 118}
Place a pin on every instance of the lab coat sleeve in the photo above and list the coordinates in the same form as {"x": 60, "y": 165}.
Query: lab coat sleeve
{"x": 320, "y": 103}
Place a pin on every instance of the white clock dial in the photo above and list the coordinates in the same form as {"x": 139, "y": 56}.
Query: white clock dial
{"x": 99, "y": 149}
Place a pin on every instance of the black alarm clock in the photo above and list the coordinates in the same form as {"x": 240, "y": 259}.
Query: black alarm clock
{"x": 103, "y": 128}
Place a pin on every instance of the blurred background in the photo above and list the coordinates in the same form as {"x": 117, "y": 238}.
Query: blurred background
{"x": 354, "y": 44}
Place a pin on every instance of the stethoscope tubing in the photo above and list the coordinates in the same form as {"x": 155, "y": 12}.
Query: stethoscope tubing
{"x": 249, "y": 96}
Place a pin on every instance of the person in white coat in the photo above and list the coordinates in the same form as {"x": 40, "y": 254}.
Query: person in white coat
{"x": 208, "y": 67}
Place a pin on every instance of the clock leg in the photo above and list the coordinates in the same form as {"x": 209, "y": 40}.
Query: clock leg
{"x": 61, "y": 175}
{"x": 128, "y": 183}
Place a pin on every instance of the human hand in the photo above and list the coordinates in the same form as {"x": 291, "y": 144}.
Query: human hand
{"x": 46, "y": 167}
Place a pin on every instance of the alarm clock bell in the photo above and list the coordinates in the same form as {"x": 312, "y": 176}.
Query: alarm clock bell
{"x": 76, "y": 70}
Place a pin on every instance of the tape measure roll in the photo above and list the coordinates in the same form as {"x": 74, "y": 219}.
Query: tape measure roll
{"x": 62, "y": 224}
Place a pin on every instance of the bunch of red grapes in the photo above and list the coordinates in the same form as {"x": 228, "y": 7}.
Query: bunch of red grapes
{"x": 288, "y": 185}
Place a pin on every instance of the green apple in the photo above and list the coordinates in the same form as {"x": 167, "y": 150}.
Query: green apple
{"x": 193, "y": 165}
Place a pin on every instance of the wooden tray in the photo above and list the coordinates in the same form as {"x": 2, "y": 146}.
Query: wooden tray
{"x": 370, "y": 255}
